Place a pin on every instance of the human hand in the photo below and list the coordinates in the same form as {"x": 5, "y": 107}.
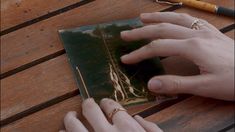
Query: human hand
{"x": 172, "y": 35}
{"x": 122, "y": 121}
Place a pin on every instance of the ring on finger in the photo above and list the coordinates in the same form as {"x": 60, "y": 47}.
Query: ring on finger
{"x": 115, "y": 111}
{"x": 196, "y": 24}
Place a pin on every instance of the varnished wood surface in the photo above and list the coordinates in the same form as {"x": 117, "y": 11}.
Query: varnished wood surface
{"x": 14, "y": 12}
{"x": 37, "y": 85}
{"x": 195, "y": 114}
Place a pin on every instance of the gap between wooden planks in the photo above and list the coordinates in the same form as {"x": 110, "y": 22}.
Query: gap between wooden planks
{"x": 54, "y": 78}
{"x": 192, "y": 114}
{"x": 231, "y": 34}
{"x": 15, "y": 12}
{"x": 196, "y": 114}
{"x": 41, "y": 39}
{"x": 50, "y": 119}
{"x": 62, "y": 82}
{"x": 22, "y": 106}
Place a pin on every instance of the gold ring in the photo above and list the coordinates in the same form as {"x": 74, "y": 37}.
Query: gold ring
{"x": 115, "y": 111}
{"x": 196, "y": 24}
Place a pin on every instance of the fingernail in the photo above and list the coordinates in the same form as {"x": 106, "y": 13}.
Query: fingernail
{"x": 137, "y": 116}
{"x": 124, "y": 57}
{"x": 89, "y": 100}
{"x": 104, "y": 99}
{"x": 124, "y": 32}
{"x": 154, "y": 85}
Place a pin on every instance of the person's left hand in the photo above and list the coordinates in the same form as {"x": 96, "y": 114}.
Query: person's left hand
{"x": 122, "y": 121}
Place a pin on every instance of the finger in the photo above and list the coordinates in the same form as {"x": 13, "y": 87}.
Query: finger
{"x": 94, "y": 115}
{"x": 168, "y": 17}
{"x": 121, "y": 119}
{"x": 161, "y": 47}
{"x": 72, "y": 124}
{"x": 62, "y": 131}
{"x": 162, "y": 30}
{"x": 171, "y": 84}
{"x": 181, "y": 19}
{"x": 148, "y": 126}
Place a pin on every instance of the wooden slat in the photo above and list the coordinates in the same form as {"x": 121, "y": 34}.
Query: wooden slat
{"x": 51, "y": 119}
{"x": 36, "y": 85}
{"x": 14, "y": 12}
{"x": 63, "y": 82}
{"x": 41, "y": 39}
{"x": 59, "y": 70}
{"x": 54, "y": 78}
{"x": 51, "y": 51}
{"x": 231, "y": 34}
{"x": 195, "y": 114}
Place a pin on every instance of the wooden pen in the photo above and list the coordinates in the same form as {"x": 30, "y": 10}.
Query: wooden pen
{"x": 205, "y": 6}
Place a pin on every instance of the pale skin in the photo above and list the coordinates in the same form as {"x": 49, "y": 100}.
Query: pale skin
{"x": 171, "y": 35}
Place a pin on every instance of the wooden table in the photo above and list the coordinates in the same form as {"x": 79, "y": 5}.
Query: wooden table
{"x": 37, "y": 85}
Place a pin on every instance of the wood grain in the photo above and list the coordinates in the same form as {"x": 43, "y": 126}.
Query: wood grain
{"x": 41, "y": 39}
{"x": 36, "y": 85}
{"x": 231, "y": 34}
{"x": 55, "y": 78}
{"x": 195, "y": 114}
{"x": 14, "y": 12}
{"x": 51, "y": 118}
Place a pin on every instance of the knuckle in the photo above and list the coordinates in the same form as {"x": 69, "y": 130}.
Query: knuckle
{"x": 162, "y": 29}
{"x": 162, "y": 26}
{"x": 194, "y": 42}
{"x": 155, "y": 14}
{"x": 176, "y": 85}
{"x": 131, "y": 127}
{"x": 151, "y": 45}
{"x": 206, "y": 33}
{"x": 149, "y": 49}
{"x": 107, "y": 103}
{"x": 104, "y": 129}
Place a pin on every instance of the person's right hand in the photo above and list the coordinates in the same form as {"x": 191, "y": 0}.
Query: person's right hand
{"x": 207, "y": 47}
{"x": 121, "y": 121}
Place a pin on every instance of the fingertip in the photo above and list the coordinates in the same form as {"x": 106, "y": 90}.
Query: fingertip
{"x": 69, "y": 116}
{"x": 154, "y": 85}
{"x": 88, "y": 101}
{"x": 124, "y": 34}
{"x": 103, "y": 100}
{"x": 137, "y": 117}
{"x": 73, "y": 113}
{"x": 124, "y": 59}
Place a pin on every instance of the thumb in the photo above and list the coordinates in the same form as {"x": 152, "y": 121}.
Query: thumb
{"x": 171, "y": 84}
